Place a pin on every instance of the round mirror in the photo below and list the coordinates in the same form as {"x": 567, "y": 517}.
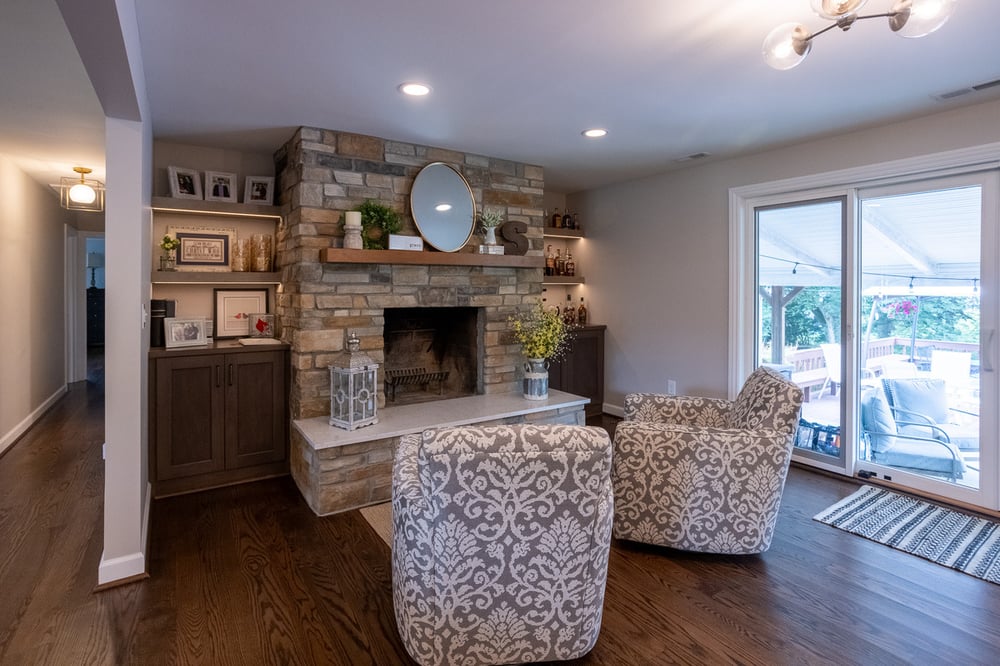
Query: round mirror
{"x": 443, "y": 208}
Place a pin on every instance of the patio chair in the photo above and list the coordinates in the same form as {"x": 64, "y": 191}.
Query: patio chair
{"x": 917, "y": 446}
{"x": 925, "y": 400}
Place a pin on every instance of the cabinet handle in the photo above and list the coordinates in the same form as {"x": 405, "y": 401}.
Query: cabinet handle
{"x": 218, "y": 376}
{"x": 230, "y": 374}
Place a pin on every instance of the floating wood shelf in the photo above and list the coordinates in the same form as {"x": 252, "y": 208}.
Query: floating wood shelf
{"x": 559, "y": 232}
{"x": 214, "y": 277}
{"x": 199, "y": 207}
{"x": 562, "y": 279}
{"x": 335, "y": 255}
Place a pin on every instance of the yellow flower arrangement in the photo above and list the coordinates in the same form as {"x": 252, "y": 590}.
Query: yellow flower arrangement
{"x": 540, "y": 332}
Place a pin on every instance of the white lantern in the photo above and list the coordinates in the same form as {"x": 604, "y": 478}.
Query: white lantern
{"x": 353, "y": 388}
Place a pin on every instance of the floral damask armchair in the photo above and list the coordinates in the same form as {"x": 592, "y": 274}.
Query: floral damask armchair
{"x": 501, "y": 537}
{"x": 705, "y": 474}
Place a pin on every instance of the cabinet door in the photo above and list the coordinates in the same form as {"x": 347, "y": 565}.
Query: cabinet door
{"x": 190, "y": 416}
{"x": 255, "y": 408}
{"x": 583, "y": 371}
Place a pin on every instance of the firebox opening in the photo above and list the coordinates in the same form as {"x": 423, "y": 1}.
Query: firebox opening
{"x": 430, "y": 354}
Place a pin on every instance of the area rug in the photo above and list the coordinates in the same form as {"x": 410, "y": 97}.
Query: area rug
{"x": 379, "y": 516}
{"x": 967, "y": 543}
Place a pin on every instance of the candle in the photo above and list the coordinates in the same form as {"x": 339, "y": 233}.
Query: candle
{"x": 353, "y": 218}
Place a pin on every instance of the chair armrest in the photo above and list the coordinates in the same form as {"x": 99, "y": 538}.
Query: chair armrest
{"x": 916, "y": 417}
{"x": 930, "y": 426}
{"x": 679, "y": 409}
{"x": 931, "y": 440}
{"x": 654, "y": 443}
{"x": 405, "y": 472}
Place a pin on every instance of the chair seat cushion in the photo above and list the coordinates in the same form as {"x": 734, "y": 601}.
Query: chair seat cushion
{"x": 922, "y": 455}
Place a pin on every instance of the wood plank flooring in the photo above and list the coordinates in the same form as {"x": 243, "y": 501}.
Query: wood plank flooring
{"x": 248, "y": 575}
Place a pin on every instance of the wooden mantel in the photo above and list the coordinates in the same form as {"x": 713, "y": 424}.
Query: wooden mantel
{"x": 336, "y": 255}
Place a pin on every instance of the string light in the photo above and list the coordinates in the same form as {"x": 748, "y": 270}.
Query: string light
{"x": 975, "y": 285}
{"x": 911, "y": 283}
{"x": 911, "y": 278}
{"x": 795, "y": 268}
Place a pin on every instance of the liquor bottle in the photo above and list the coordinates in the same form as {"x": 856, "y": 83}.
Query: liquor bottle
{"x": 569, "y": 312}
{"x": 581, "y": 314}
{"x": 567, "y": 220}
{"x": 556, "y": 218}
{"x": 576, "y": 221}
{"x": 550, "y": 262}
{"x": 570, "y": 266}
{"x": 560, "y": 263}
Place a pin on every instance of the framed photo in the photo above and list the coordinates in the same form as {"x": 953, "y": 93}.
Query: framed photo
{"x": 184, "y": 183}
{"x": 180, "y": 332}
{"x": 202, "y": 248}
{"x": 220, "y": 186}
{"x": 259, "y": 190}
{"x": 233, "y": 308}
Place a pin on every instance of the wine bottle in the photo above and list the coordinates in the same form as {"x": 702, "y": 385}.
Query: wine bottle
{"x": 556, "y": 218}
{"x": 581, "y": 314}
{"x": 570, "y": 265}
{"x": 569, "y": 312}
{"x": 567, "y": 220}
{"x": 560, "y": 263}
{"x": 550, "y": 262}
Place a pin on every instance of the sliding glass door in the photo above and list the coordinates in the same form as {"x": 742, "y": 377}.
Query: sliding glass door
{"x": 927, "y": 256}
{"x": 881, "y": 304}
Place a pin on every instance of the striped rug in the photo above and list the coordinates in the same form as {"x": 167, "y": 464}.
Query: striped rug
{"x": 967, "y": 543}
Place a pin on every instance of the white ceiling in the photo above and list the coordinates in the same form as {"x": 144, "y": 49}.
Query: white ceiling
{"x": 518, "y": 79}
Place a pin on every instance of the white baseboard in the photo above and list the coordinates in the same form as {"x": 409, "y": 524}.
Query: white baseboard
{"x": 22, "y": 427}
{"x": 614, "y": 410}
{"x": 133, "y": 564}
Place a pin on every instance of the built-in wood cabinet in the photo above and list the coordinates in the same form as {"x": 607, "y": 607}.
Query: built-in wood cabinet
{"x": 95, "y": 317}
{"x": 218, "y": 415}
{"x": 581, "y": 371}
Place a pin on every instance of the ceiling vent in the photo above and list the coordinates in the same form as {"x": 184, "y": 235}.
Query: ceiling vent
{"x": 979, "y": 87}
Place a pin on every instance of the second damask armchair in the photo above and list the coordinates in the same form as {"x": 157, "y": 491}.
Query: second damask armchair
{"x": 705, "y": 474}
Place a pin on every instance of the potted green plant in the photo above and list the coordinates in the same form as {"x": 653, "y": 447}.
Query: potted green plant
{"x": 489, "y": 220}
{"x": 168, "y": 260}
{"x": 377, "y": 222}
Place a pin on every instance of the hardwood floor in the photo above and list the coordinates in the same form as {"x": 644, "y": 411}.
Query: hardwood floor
{"x": 248, "y": 575}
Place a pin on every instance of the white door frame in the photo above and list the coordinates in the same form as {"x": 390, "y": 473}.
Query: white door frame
{"x": 76, "y": 282}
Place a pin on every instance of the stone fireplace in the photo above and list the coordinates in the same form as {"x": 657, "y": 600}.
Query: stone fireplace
{"x": 438, "y": 321}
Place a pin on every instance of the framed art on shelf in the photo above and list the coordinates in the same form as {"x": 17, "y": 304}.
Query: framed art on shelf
{"x": 220, "y": 186}
{"x": 179, "y": 332}
{"x": 203, "y": 249}
{"x": 258, "y": 190}
{"x": 233, "y": 308}
{"x": 184, "y": 183}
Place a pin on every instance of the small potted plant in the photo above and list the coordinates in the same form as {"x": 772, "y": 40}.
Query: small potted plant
{"x": 168, "y": 260}
{"x": 543, "y": 336}
{"x": 377, "y": 222}
{"x": 489, "y": 220}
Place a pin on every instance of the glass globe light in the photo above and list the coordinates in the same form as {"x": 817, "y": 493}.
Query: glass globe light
{"x": 787, "y": 45}
{"x": 82, "y": 193}
{"x": 836, "y": 9}
{"x": 916, "y": 18}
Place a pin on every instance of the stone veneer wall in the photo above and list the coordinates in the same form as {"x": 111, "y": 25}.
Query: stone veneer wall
{"x": 321, "y": 174}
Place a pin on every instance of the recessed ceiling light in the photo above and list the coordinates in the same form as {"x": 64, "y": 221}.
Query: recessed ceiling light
{"x": 415, "y": 89}
{"x": 595, "y": 133}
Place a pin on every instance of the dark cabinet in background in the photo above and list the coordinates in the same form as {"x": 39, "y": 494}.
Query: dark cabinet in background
{"x": 218, "y": 415}
{"x": 581, "y": 372}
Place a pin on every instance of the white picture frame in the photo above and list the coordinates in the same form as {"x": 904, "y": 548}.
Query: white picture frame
{"x": 233, "y": 308}
{"x": 259, "y": 190}
{"x": 184, "y": 183}
{"x": 220, "y": 186}
{"x": 184, "y": 332}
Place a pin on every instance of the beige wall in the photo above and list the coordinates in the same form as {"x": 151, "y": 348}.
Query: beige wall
{"x": 32, "y": 356}
{"x": 202, "y": 159}
{"x": 657, "y": 249}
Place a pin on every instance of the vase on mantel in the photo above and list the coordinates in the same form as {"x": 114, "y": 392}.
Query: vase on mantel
{"x": 491, "y": 236}
{"x": 536, "y": 379}
{"x": 168, "y": 260}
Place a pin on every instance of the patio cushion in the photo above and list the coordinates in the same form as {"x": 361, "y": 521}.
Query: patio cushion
{"x": 925, "y": 396}
{"x": 876, "y": 417}
{"x": 922, "y": 455}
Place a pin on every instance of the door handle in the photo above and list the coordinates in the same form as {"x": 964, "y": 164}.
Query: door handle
{"x": 986, "y": 353}
{"x": 230, "y": 374}
{"x": 218, "y": 376}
